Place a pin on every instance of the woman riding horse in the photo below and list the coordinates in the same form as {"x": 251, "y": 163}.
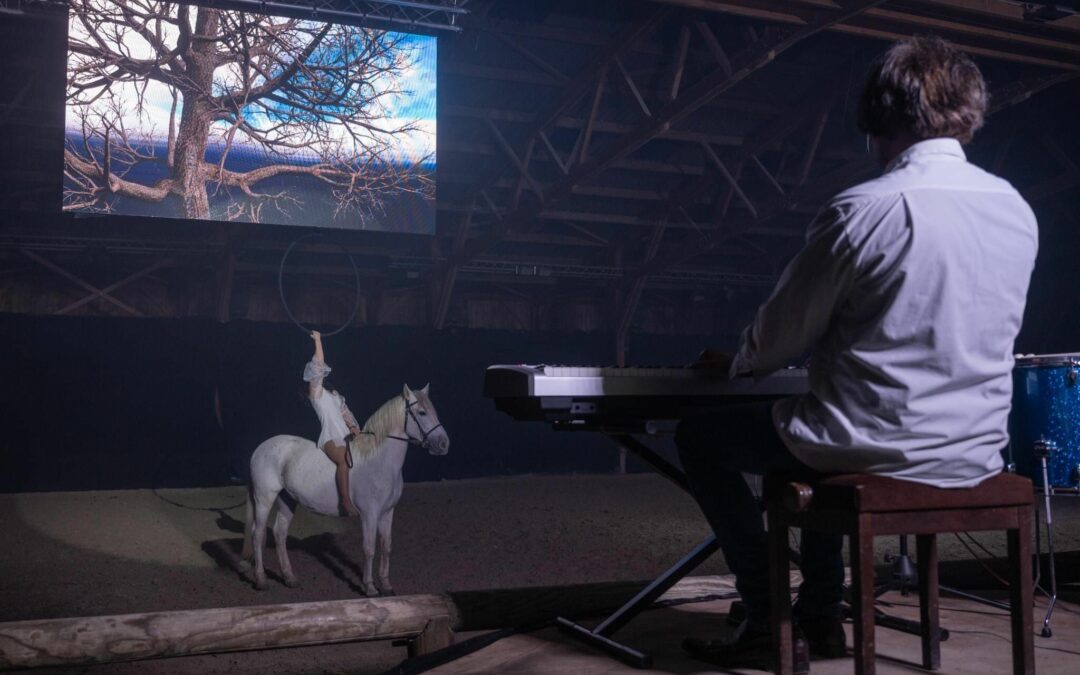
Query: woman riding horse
{"x": 338, "y": 423}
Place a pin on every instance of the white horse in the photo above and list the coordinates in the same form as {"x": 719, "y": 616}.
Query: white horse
{"x": 299, "y": 467}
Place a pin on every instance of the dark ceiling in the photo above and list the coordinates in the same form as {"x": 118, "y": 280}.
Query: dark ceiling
{"x": 614, "y": 155}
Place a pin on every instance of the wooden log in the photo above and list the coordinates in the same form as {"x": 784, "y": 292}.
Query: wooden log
{"x": 80, "y": 641}
{"x": 435, "y": 636}
{"x": 426, "y": 621}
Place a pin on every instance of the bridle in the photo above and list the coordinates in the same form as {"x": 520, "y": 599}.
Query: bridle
{"x": 410, "y": 413}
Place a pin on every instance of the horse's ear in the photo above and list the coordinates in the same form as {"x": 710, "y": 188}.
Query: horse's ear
{"x": 425, "y": 389}
{"x": 407, "y": 393}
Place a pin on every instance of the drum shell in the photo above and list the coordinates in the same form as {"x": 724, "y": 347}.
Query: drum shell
{"x": 1046, "y": 406}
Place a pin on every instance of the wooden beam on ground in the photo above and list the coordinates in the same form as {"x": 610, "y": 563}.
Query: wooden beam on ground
{"x": 131, "y": 637}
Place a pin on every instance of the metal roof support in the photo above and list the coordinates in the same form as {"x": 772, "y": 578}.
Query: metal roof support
{"x": 577, "y": 87}
{"x": 811, "y": 151}
{"x": 531, "y": 56}
{"x": 680, "y": 62}
{"x": 1068, "y": 178}
{"x": 586, "y": 133}
{"x": 1005, "y": 96}
{"x": 766, "y": 174}
{"x": 697, "y": 95}
{"x": 714, "y": 46}
{"x": 711, "y": 154}
{"x": 521, "y": 166}
{"x": 632, "y": 87}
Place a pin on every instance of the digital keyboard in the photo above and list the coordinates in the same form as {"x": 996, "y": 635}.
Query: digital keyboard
{"x": 625, "y": 397}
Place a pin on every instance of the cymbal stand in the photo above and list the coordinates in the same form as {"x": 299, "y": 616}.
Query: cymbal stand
{"x": 1043, "y": 449}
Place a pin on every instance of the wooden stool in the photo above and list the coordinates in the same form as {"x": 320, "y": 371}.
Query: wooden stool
{"x": 864, "y": 506}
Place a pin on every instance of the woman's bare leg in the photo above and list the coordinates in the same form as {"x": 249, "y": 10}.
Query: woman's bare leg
{"x": 337, "y": 453}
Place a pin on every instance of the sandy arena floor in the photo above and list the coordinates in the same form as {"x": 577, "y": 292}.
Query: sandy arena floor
{"x": 94, "y": 553}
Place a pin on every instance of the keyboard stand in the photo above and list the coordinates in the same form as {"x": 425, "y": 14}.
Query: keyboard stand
{"x": 600, "y": 637}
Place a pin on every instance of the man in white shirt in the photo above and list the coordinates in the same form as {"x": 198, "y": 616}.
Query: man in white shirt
{"x": 908, "y": 296}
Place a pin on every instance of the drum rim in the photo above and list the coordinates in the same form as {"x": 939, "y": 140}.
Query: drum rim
{"x": 1035, "y": 360}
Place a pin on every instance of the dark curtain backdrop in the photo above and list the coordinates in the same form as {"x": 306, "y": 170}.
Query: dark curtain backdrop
{"x": 100, "y": 403}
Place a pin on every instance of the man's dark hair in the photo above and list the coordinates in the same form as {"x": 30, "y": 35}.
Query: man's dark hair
{"x": 924, "y": 86}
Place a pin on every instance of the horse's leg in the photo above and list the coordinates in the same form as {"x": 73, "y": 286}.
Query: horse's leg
{"x": 386, "y": 522}
{"x": 286, "y": 508}
{"x": 249, "y": 517}
{"x": 369, "y": 521}
{"x": 263, "y": 503}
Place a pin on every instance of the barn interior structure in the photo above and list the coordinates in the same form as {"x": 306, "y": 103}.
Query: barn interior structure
{"x": 619, "y": 183}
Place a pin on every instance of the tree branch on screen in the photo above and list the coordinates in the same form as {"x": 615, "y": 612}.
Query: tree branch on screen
{"x": 312, "y": 98}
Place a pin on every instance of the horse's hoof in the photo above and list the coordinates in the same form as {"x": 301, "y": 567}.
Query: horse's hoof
{"x": 389, "y": 592}
{"x": 260, "y": 584}
{"x": 292, "y": 582}
{"x": 371, "y": 592}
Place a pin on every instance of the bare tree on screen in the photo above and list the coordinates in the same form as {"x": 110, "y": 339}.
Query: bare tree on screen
{"x": 313, "y": 98}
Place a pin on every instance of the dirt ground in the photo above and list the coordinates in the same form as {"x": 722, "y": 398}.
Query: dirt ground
{"x": 95, "y": 553}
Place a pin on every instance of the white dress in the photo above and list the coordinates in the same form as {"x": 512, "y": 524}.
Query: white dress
{"x": 329, "y": 406}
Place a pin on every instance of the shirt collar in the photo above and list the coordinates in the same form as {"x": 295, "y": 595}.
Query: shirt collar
{"x": 933, "y": 146}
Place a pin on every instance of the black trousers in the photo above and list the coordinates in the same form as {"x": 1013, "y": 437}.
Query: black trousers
{"x": 716, "y": 449}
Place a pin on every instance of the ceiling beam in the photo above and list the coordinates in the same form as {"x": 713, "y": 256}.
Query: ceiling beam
{"x": 977, "y": 32}
{"x": 744, "y": 64}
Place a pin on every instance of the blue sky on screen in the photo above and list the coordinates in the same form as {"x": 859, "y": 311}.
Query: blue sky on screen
{"x": 417, "y": 105}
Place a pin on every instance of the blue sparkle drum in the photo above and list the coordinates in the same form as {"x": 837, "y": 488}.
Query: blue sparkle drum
{"x": 1046, "y": 414}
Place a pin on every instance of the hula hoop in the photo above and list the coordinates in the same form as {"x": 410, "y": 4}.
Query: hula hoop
{"x": 281, "y": 286}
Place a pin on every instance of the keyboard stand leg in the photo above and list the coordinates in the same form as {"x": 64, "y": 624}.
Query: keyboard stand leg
{"x": 600, "y": 637}
{"x": 647, "y": 455}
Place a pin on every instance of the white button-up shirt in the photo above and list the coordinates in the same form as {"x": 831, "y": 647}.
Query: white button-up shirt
{"x": 909, "y": 291}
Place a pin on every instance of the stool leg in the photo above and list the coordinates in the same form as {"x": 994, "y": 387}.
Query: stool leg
{"x": 926, "y": 550}
{"x": 862, "y": 594}
{"x": 1020, "y": 600}
{"x": 780, "y": 583}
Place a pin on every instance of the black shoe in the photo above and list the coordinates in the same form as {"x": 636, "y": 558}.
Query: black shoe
{"x": 825, "y": 636}
{"x": 746, "y": 647}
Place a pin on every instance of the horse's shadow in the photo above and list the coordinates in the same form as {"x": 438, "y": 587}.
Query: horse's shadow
{"x": 324, "y": 548}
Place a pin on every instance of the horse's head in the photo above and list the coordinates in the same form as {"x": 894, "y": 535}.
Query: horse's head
{"x": 422, "y": 421}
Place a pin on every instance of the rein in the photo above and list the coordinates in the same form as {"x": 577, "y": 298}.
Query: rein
{"x": 410, "y": 413}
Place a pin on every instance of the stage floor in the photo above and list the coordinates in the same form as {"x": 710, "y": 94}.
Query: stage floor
{"x": 94, "y": 553}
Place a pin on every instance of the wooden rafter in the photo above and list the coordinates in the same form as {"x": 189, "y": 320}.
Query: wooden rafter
{"x": 94, "y": 292}
{"x": 632, "y": 87}
{"x": 594, "y": 108}
{"x": 844, "y": 176}
{"x": 977, "y": 32}
{"x": 692, "y": 98}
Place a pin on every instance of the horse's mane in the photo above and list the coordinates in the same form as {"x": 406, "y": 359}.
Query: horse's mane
{"x": 388, "y": 419}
